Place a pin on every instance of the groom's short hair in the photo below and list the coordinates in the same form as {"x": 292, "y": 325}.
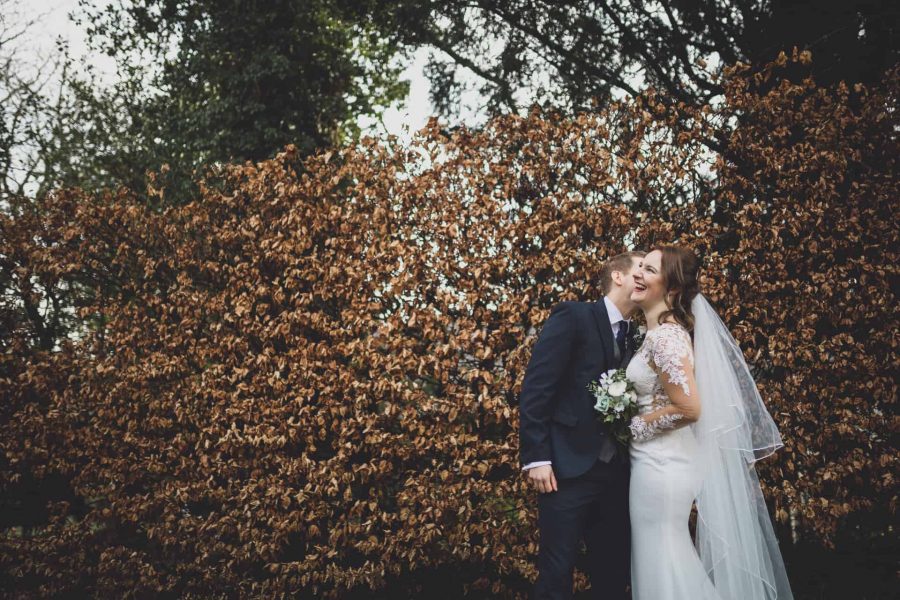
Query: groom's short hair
{"x": 620, "y": 262}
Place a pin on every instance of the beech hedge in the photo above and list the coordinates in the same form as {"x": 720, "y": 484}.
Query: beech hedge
{"x": 305, "y": 381}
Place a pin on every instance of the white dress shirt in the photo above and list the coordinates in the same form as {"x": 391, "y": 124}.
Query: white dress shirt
{"x": 615, "y": 320}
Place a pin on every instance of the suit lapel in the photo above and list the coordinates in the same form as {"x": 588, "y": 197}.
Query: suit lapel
{"x": 601, "y": 316}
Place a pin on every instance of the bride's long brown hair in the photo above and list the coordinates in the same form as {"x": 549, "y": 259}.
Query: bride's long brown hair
{"x": 679, "y": 272}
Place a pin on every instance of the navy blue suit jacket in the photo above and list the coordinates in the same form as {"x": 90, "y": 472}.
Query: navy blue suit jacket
{"x": 557, "y": 420}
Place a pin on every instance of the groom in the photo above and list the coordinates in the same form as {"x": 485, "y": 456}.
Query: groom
{"x": 575, "y": 464}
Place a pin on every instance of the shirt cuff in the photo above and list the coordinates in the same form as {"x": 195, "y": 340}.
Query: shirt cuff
{"x": 537, "y": 463}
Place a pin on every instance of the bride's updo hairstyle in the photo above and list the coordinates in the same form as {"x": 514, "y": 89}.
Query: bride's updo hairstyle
{"x": 679, "y": 272}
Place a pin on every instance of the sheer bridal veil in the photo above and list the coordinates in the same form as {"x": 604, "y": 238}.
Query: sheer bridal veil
{"x": 735, "y": 539}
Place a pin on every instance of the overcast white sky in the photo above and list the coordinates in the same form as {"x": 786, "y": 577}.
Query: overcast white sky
{"x": 55, "y": 24}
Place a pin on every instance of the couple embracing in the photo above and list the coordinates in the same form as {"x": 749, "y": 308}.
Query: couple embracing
{"x": 700, "y": 428}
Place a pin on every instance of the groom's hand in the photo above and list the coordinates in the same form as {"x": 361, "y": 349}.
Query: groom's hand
{"x": 542, "y": 478}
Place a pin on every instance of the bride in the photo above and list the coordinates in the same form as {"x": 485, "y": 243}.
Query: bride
{"x": 701, "y": 427}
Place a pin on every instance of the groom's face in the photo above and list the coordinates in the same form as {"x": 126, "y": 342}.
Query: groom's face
{"x": 626, "y": 278}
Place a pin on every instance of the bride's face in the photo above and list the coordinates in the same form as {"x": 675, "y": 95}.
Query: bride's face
{"x": 649, "y": 287}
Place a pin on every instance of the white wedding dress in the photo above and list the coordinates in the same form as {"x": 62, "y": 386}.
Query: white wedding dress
{"x": 665, "y": 480}
{"x": 710, "y": 464}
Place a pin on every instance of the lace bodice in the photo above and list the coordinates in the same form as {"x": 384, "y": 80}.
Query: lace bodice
{"x": 665, "y": 348}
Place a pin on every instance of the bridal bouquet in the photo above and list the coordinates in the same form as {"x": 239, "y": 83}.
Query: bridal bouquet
{"x": 616, "y": 402}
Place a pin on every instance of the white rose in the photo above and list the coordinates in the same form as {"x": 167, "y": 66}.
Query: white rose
{"x": 642, "y": 329}
{"x": 618, "y": 388}
{"x": 606, "y": 378}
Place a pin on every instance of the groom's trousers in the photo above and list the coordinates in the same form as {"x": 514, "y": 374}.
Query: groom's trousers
{"x": 592, "y": 507}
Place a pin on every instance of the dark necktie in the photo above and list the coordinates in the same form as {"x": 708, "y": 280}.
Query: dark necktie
{"x": 620, "y": 338}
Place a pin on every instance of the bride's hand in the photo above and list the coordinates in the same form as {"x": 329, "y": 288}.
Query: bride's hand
{"x": 542, "y": 478}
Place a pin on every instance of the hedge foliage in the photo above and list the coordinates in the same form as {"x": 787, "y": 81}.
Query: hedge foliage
{"x": 306, "y": 381}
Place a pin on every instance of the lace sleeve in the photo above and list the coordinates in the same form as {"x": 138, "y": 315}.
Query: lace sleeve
{"x": 641, "y": 430}
{"x": 670, "y": 351}
{"x": 671, "y": 346}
